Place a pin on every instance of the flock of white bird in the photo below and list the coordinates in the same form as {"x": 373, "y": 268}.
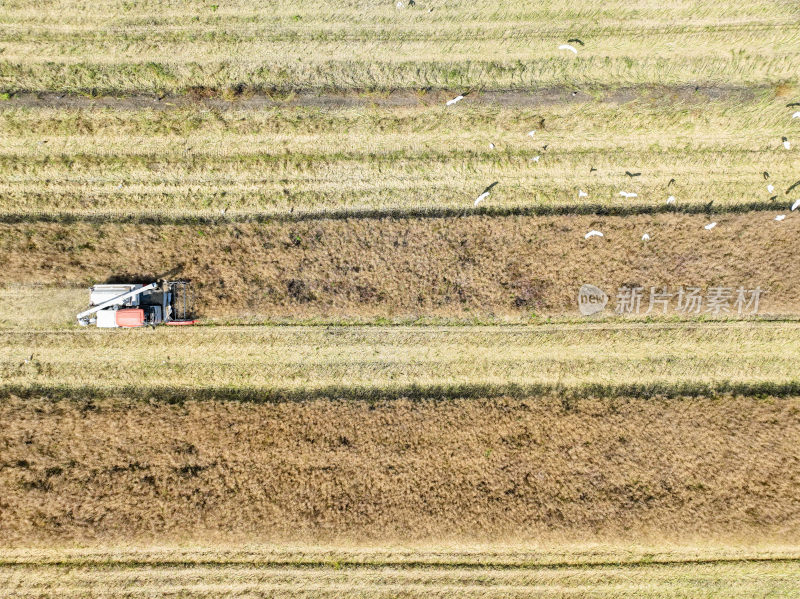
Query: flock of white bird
{"x": 626, "y": 194}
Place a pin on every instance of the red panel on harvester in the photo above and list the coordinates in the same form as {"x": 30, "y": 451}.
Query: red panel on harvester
{"x": 130, "y": 317}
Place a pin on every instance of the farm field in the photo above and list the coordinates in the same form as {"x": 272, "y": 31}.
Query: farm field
{"x": 391, "y": 390}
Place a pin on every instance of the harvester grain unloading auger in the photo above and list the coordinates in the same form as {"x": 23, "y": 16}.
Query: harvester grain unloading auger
{"x": 137, "y": 305}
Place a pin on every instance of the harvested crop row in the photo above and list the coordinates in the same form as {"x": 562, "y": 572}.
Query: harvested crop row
{"x": 476, "y": 469}
{"x": 206, "y": 160}
{"x": 118, "y": 47}
{"x": 452, "y": 267}
{"x": 290, "y": 363}
{"x": 728, "y": 581}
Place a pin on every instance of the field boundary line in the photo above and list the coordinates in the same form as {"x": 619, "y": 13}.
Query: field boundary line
{"x": 374, "y": 565}
{"x": 421, "y": 212}
{"x": 456, "y": 326}
{"x": 412, "y": 391}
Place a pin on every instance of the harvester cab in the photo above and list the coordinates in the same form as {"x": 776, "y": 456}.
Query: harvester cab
{"x": 137, "y": 305}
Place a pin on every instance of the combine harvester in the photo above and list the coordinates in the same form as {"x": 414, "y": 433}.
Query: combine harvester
{"x": 138, "y": 305}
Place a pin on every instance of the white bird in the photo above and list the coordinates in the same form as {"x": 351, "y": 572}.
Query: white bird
{"x": 786, "y": 143}
{"x": 710, "y": 226}
{"x": 454, "y": 100}
{"x": 582, "y": 194}
{"x": 531, "y": 133}
{"x": 485, "y": 193}
{"x": 399, "y": 5}
{"x": 568, "y": 47}
{"x": 222, "y": 211}
{"x": 536, "y": 158}
{"x": 671, "y": 200}
{"x": 796, "y": 115}
{"x": 627, "y": 194}
{"x": 645, "y": 237}
{"x": 491, "y": 146}
{"x": 780, "y": 217}
{"x": 796, "y": 205}
{"x": 770, "y": 188}
{"x": 593, "y": 234}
